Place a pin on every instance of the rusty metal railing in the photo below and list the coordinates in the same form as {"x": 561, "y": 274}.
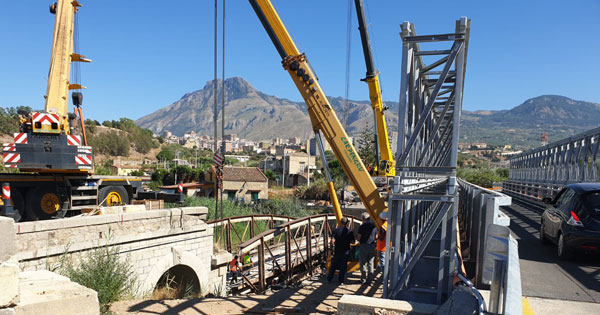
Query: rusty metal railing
{"x": 229, "y": 232}
{"x": 278, "y": 251}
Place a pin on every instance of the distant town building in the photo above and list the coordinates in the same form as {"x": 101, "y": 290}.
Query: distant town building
{"x": 313, "y": 147}
{"x": 231, "y": 137}
{"x": 297, "y": 163}
{"x": 123, "y": 170}
{"x": 245, "y": 184}
{"x": 544, "y": 139}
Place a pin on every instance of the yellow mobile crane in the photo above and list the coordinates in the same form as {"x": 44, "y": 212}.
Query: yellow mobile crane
{"x": 322, "y": 115}
{"x": 384, "y": 157}
{"x": 51, "y": 147}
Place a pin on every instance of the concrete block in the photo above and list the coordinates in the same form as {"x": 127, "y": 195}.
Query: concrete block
{"x": 358, "y": 304}
{"x": 26, "y": 227}
{"x": 44, "y": 292}
{"x": 7, "y": 311}
{"x": 74, "y": 222}
{"x": 222, "y": 258}
{"x": 111, "y": 210}
{"x": 8, "y": 235}
{"x": 134, "y": 208}
{"x": 9, "y": 278}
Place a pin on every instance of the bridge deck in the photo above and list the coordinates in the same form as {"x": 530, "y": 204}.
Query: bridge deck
{"x": 311, "y": 296}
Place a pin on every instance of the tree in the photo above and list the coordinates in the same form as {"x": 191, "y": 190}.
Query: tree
{"x": 165, "y": 155}
{"x": 365, "y": 146}
{"x": 270, "y": 176}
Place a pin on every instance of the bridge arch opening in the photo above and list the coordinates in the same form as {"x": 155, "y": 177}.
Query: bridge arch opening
{"x": 179, "y": 281}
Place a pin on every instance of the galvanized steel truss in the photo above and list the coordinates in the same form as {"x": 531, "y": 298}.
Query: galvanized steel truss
{"x": 420, "y": 260}
{"x": 569, "y": 160}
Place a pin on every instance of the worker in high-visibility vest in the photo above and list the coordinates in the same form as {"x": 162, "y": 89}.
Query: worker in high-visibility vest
{"x": 381, "y": 237}
{"x": 234, "y": 268}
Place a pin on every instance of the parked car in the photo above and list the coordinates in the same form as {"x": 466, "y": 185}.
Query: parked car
{"x": 572, "y": 219}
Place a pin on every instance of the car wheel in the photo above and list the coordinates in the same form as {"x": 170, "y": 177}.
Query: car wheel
{"x": 543, "y": 238}
{"x": 562, "y": 250}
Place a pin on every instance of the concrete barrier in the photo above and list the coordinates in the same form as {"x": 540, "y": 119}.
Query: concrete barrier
{"x": 358, "y": 304}
{"x": 37, "y": 292}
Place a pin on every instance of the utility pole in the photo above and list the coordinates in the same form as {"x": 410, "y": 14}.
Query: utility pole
{"x": 223, "y": 99}
{"x": 308, "y": 171}
{"x": 215, "y": 112}
{"x": 283, "y": 170}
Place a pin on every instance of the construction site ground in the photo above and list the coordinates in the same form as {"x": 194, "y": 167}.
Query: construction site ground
{"x": 313, "y": 295}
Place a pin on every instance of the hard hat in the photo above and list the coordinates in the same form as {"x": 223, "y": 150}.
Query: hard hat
{"x": 383, "y": 215}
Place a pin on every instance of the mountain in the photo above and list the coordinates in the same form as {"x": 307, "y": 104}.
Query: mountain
{"x": 249, "y": 113}
{"x": 522, "y": 126}
{"x": 252, "y": 114}
{"x": 255, "y": 115}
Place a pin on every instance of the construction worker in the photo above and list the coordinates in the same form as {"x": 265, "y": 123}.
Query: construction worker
{"x": 343, "y": 238}
{"x": 381, "y": 237}
{"x": 234, "y": 269}
{"x": 367, "y": 236}
{"x": 247, "y": 262}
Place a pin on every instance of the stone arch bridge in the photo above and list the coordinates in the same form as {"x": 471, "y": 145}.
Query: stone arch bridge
{"x": 153, "y": 241}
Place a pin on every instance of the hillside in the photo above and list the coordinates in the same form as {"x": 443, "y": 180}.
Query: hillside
{"x": 250, "y": 113}
{"x": 522, "y": 126}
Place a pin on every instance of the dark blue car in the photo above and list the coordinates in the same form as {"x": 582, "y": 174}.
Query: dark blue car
{"x": 572, "y": 219}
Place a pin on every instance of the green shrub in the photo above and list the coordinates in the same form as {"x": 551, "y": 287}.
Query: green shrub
{"x": 102, "y": 270}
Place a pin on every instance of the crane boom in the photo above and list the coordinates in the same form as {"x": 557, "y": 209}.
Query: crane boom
{"x": 384, "y": 156}
{"x": 322, "y": 115}
{"x": 57, "y": 91}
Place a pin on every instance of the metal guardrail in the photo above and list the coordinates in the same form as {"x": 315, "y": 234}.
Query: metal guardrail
{"x": 478, "y": 208}
{"x": 489, "y": 244}
{"x": 502, "y": 271}
{"x": 531, "y": 191}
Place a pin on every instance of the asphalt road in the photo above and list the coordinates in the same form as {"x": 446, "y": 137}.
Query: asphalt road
{"x": 543, "y": 274}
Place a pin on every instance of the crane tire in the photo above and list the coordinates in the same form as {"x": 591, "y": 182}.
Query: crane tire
{"x": 113, "y": 196}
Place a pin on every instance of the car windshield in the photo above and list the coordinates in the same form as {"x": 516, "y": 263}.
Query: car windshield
{"x": 592, "y": 203}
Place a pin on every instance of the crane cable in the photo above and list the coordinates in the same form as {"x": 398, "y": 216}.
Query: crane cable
{"x": 348, "y": 54}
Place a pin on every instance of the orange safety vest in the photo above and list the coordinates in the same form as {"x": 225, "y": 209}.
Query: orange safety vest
{"x": 233, "y": 265}
{"x": 381, "y": 238}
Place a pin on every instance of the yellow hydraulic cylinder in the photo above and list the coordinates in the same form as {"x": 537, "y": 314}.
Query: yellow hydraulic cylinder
{"x": 337, "y": 210}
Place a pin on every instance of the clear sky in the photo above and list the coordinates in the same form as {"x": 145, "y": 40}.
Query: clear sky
{"x": 147, "y": 54}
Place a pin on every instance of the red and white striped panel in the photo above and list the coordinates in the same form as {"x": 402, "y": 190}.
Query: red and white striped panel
{"x": 45, "y": 119}
{"x": 84, "y": 149}
{"x": 8, "y": 147}
{"x": 12, "y": 157}
{"x": 21, "y": 138}
{"x": 73, "y": 140}
{"x": 10, "y": 165}
{"x": 5, "y": 192}
{"x": 82, "y": 159}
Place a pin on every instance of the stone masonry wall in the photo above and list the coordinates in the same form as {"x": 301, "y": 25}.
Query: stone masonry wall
{"x": 153, "y": 241}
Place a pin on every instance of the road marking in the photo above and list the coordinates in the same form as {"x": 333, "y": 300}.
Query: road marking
{"x": 526, "y": 307}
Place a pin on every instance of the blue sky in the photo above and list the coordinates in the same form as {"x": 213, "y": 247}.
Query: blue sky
{"x": 147, "y": 54}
